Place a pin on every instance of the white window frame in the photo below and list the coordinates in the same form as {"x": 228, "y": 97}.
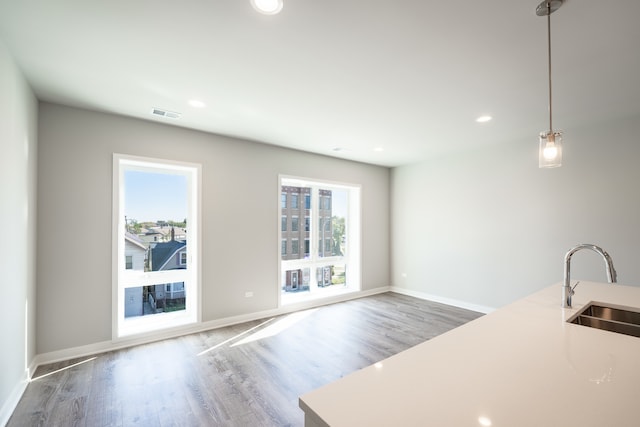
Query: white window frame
{"x": 352, "y": 257}
{"x": 122, "y": 278}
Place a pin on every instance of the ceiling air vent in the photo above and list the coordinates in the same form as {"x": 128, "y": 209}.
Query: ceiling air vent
{"x": 165, "y": 113}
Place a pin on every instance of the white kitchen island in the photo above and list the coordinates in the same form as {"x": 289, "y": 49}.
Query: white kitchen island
{"x": 522, "y": 365}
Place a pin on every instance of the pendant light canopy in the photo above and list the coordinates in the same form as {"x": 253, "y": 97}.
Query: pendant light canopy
{"x": 550, "y": 146}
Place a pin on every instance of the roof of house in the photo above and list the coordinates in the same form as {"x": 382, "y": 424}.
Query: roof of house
{"x": 161, "y": 253}
{"x": 134, "y": 240}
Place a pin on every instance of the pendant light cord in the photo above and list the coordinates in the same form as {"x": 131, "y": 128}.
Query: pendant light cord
{"x": 549, "y": 51}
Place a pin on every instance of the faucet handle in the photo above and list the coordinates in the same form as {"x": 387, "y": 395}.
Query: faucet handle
{"x": 573, "y": 289}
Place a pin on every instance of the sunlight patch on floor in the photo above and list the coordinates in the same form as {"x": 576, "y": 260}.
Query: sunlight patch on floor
{"x": 235, "y": 337}
{"x": 63, "y": 369}
{"x": 277, "y": 327}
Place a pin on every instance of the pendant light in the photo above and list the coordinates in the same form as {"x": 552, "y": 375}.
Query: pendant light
{"x": 550, "y": 147}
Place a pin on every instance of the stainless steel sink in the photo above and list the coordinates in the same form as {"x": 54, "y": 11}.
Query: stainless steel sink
{"x": 614, "y": 318}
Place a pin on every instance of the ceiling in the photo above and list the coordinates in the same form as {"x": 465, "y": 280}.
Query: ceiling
{"x": 382, "y": 82}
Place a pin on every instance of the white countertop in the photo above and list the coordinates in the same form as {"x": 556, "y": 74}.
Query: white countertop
{"x": 522, "y": 365}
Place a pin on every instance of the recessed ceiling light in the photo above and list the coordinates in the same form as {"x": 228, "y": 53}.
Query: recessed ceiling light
{"x": 197, "y": 104}
{"x": 484, "y": 421}
{"x": 268, "y": 7}
{"x": 378, "y": 149}
{"x": 484, "y": 119}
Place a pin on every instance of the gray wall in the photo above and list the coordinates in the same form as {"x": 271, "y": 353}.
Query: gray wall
{"x": 240, "y": 217}
{"x": 488, "y": 227}
{"x": 18, "y": 147}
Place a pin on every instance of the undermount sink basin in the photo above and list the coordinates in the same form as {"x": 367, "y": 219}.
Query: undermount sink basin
{"x": 613, "y": 318}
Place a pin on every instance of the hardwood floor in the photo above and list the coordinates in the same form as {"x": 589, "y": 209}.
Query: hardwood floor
{"x": 232, "y": 376}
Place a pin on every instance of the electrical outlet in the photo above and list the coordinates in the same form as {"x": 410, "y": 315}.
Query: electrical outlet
{"x": 248, "y": 294}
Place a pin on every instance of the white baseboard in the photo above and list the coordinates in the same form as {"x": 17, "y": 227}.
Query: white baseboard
{"x": 443, "y": 300}
{"x": 12, "y": 401}
{"x": 104, "y": 346}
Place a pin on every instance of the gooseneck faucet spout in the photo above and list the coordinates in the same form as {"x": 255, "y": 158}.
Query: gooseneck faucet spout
{"x": 567, "y": 290}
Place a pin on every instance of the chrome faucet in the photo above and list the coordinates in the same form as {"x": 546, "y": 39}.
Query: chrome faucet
{"x": 567, "y": 290}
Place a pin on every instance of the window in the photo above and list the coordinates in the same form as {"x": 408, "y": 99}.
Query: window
{"x": 329, "y": 260}
{"x": 283, "y": 200}
{"x": 283, "y": 226}
{"x": 155, "y": 284}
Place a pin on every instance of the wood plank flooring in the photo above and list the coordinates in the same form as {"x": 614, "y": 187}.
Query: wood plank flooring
{"x": 232, "y": 376}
